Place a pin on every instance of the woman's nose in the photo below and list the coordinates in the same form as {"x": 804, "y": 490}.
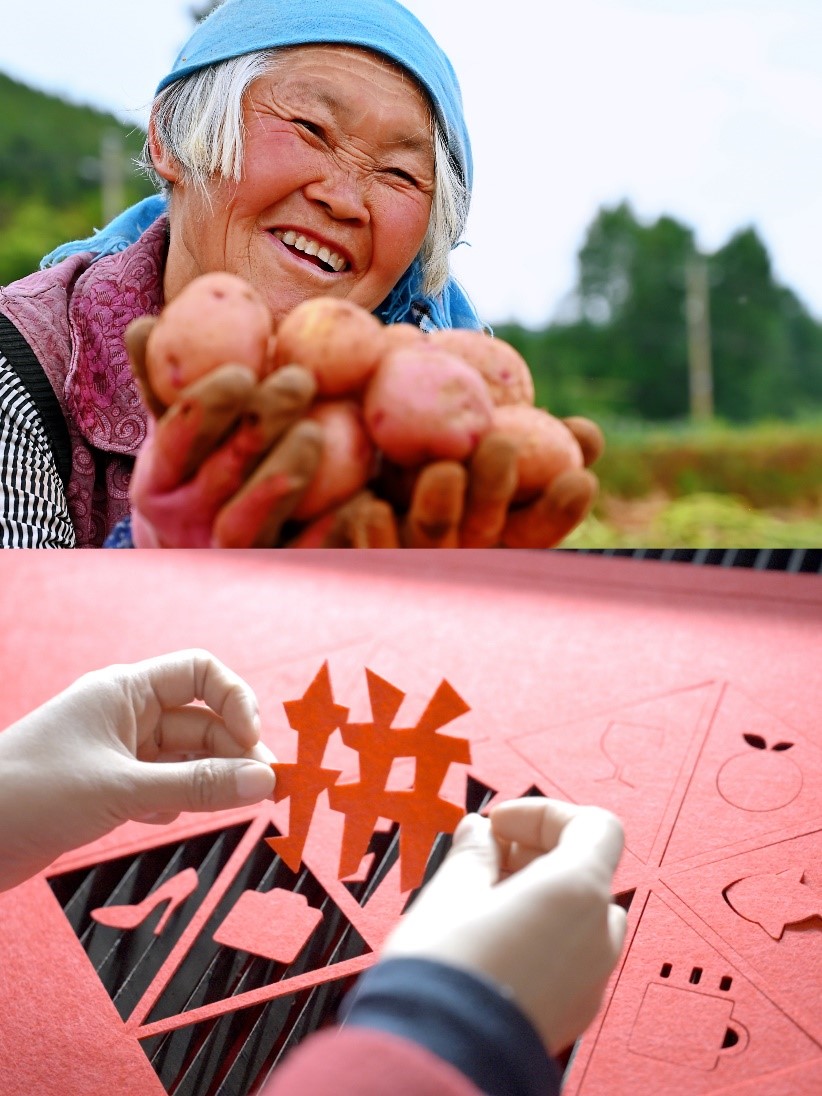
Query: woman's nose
{"x": 342, "y": 193}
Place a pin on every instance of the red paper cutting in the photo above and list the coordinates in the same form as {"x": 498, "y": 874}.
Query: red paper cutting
{"x": 570, "y": 662}
{"x": 420, "y": 811}
{"x": 683, "y": 1018}
{"x": 745, "y": 781}
{"x": 775, "y": 901}
{"x": 790, "y": 964}
{"x": 174, "y": 891}
{"x": 276, "y": 924}
{"x": 315, "y": 718}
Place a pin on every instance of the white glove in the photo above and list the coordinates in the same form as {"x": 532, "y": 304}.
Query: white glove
{"x": 524, "y": 898}
{"x": 86, "y": 761}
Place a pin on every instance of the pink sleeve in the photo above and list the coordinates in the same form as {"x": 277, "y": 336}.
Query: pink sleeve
{"x": 363, "y": 1062}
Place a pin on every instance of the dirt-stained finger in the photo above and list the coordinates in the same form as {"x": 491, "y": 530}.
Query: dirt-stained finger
{"x": 367, "y": 522}
{"x": 363, "y": 522}
{"x": 589, "y": 436}
{"x": 135, "y": 339}
{"x": 256, "y": 514}
{"x": 436, "y": 507}
{"x": 492, "y": 481}
{"x": 278, "y": 402}
{"x": 555, "y": 514}
{"x": 200, "y": 420}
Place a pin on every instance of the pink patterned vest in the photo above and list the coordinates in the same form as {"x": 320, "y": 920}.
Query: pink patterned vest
{"x": 74, "y": 316}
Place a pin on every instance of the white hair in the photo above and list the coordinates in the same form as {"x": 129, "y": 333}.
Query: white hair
{"x": 199, "y": 121}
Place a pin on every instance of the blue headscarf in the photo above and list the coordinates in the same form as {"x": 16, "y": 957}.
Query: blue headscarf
{"x": 384, "y": 26}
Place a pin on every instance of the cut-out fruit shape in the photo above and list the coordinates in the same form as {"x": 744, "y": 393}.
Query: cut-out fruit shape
{"x": 174, "y": 891}
{"x": 760, "y": 779}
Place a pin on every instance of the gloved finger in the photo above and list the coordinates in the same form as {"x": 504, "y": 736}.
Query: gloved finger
{"x": 159, "y": 818}
{"x": 172, "y": 681}
{"x": 195, "y": 730}
{"x": 135, "y": 339}
{"x": 589, "y": 436}
{"x": 197, "y": 423}
{"x": 209, "y": 785}
{"x": 532, "y": 822}
{"x": 492, "y": 481}
{"x": 555, "y": 513}
{"x": 469, "y": 871}
{"x": 530, "y": 827}
{"x": 254, "y": 517}
{"x": 617, "y": 928}
{"x": 434, "y": 518}
{"x": 595, "y": 837}
{"x": 471, "y": 866}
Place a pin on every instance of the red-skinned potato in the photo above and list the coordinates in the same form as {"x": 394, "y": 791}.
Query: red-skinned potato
{"x": 347, "y": 460}
{"x": 498, "y": 363}
{"x": 399, "y": 336}
{"x": 546, "y": 447}
{"x": 424, "y": 404}
{"x": 218, "y": 319}
{"x": 336, "y": 340}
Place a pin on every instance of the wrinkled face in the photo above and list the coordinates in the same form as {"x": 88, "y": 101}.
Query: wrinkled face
{"x": 337, "y": 185}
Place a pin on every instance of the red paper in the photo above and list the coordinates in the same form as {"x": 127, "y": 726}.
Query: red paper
{"x": 646, "y": 688}
{"x": 420, "y": 811}
{"x": 276, "y": 925}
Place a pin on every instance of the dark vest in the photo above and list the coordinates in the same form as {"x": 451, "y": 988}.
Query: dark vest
{"x": 73, "y": 317}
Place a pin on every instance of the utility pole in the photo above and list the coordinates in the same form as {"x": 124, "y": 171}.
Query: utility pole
{"x": 697, "y": 311}
{"x": 112, "y": 174}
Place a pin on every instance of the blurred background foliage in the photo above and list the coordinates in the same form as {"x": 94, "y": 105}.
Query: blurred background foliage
{"x": 54, "y": 158}
{"x": 748, "y": 472}
{"x": 622, "y": 348}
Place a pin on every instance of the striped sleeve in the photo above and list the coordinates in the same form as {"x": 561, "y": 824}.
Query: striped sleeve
{"x": 33, "y": 507}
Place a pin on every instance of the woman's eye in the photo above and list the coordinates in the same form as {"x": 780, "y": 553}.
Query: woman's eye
{"x": 404, "y": 175}
{"x": 312, "y": 127}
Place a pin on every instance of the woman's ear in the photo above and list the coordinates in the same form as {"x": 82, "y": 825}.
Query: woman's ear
{"x": 166, "y": 166}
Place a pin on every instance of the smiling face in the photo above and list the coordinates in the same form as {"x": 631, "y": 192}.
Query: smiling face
{"x": 336, "y": 191}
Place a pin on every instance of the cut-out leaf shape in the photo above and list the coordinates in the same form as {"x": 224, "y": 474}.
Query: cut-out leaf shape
{"x": 756, "y": 740}
{"x": 780, "y": 746}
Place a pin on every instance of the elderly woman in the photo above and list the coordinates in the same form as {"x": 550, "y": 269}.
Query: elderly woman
{"x": 314, "y": 149}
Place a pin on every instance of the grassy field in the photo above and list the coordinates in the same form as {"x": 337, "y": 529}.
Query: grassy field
{"x": 714, "y": 487}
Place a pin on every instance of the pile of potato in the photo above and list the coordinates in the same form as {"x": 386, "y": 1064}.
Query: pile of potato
{"x": 386, "y": 396}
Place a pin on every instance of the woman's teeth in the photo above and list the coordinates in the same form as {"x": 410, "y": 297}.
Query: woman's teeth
{"x": 310, "y": 247}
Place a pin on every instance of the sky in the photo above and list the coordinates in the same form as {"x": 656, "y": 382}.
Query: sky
{"x": 706, "y": 110}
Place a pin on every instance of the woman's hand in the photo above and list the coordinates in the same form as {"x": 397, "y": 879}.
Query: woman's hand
{"x": 228, "y": 462}
{"x": 457, "y": 507}
{"x": 524, "y": 898}
{"x": 450, "y": 505}
{"x": 88, "y": 760}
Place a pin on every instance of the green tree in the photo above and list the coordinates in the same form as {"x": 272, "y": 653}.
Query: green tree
{"x": 625, "y": 350}
{"x": 49, "y": 173}
{"x": 632, "y": 284}
{"x": 767, "y": 349}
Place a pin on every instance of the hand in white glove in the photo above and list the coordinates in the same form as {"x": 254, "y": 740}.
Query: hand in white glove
{"x": 524, "y": 898}
{"x": 86, "y": 761}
